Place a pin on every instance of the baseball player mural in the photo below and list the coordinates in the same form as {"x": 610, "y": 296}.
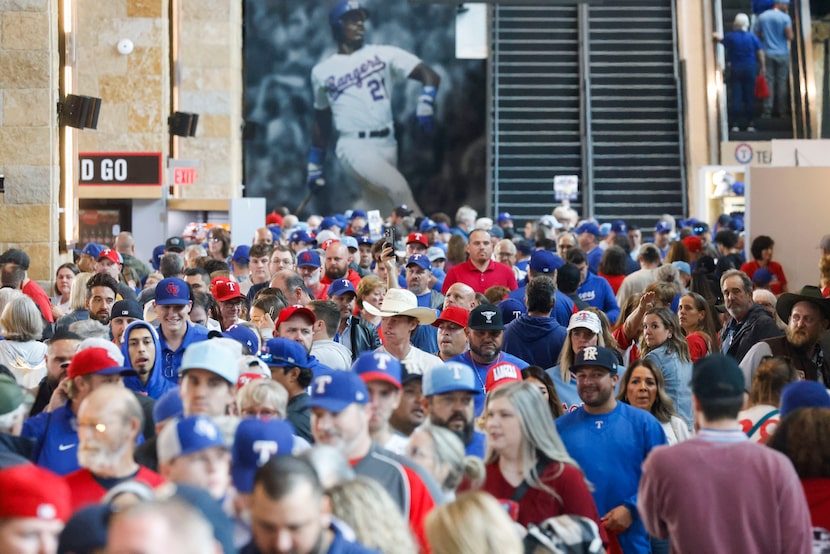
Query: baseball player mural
{"x": 352, "y": 97}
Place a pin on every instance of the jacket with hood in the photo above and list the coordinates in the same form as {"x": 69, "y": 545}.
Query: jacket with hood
{"x": 536, "y": 340}
{"x": 25, "y": 359}
{"x": 157, "y": 384}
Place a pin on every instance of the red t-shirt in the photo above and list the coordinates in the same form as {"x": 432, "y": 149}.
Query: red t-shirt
{"x": 614, "y": 280}
{"x": 495, "y": 274}
{"x": 33, "y": 291}
{"x": 779, "y": 281}
{"x": 697, "y": 346}
{"x": 85, "y": 490}
{"x": 538, "y": 505}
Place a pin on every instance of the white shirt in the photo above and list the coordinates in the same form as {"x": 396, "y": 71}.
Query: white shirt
{"x": 357, "y": 86}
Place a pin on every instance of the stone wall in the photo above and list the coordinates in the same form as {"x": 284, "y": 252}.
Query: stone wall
{"x": 210, "y": 53}
{"x": 29, "y": 157}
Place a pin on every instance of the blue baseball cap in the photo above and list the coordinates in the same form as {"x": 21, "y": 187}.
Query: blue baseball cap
{"x": 604, "y": 229}
{"x": 545, "y": 261}
{"x": 618, "y": 226}
{"x": 504, "y": 216}
{"x": 450, "y": 377}
{"x": 588, "y": 227}
{"x": 93, "y": 249}
{"x": 349, "y": 241}
{"x": 328, "y": 223}
{"x": 243, "y": 335}
{"x": 358, "y": 213}
{"x": 378, "y": 366}
{"x": 281, "y": 352}
{"x": 308, "y": 258}
{"x": 211, "y": 356}
{"x": 427, "y": 225}
{"x": 803, "y": 394}
{"x": 255, "y": 442}
{"x": 334, "y": 391}
{"x": 172, "y": 291}
{"x": 340, "y": 287}
{"x": 420, "y": 260}
{"x": 682, "y": 267}
{"x": 595, "y": 356}
{"x": 511, "y": 308}
{"x": 242, "y": 254}
{"x": 365, "y": 239}
{"x": 158, "y": 252}
{"x": 187, "y": 436}
{"x": 301, "y": 236}
{"x": 168, "y": 405}
{"x": 662, "y": 227}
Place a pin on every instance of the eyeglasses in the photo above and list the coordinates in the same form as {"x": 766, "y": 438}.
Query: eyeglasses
{"x": 215, "y": 239}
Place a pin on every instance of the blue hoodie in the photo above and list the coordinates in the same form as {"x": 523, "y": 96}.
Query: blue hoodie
{"x": 156, "y": 384}
{"x": 536, "y": 340}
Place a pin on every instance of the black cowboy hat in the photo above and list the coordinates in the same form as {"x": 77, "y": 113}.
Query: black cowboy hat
{"x": 808, "y": 293}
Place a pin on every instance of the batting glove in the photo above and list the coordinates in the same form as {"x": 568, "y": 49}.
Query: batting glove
{"x": 425, "y": 110}
{"x": 315, "y": 180}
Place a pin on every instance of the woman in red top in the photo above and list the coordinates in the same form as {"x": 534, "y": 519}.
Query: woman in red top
{"x": 612, "y": 267}
{"x": 761, "y": 251}
{"x": 698, "y": 325}
{"x": 523, "y": 446}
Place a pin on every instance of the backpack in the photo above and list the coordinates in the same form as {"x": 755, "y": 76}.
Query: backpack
{"x": 565, "y": 534}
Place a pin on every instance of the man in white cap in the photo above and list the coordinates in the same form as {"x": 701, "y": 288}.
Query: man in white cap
{"x": 207, "y": 379}
{"x": 400, "y": 318}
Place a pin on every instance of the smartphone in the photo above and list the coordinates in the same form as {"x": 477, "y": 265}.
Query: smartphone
{"x": 389, "y": 236}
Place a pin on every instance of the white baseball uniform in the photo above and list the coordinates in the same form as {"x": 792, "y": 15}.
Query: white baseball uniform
{"x": 356, "y": 87}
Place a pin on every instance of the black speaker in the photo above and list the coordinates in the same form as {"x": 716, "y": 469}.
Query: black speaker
{"x": 80, "y": 112}
{"x": 183, "y": 124}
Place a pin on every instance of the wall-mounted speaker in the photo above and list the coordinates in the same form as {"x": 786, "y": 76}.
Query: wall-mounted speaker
{"x": 80, "y": 112}
{"x": 183, "y": 124}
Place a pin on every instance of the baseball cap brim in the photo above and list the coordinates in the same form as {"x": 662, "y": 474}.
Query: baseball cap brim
{"x": 379, "y": 376}
{"x": 173, "y": 301}
{"x": 115, "y": 370}
{"x": 455, "y": 388}
{"x": 333, "y": 405}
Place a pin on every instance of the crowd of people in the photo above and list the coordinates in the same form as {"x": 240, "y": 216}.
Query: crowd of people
{"x": 444, "y": 384}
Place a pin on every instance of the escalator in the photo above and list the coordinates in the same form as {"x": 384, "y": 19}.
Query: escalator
{"x": 799, "y": 121}
{"x": 591, "y": 91}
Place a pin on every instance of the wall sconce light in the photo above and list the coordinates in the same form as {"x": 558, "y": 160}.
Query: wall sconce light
{"x": 183, "y": 124}
{"x": 80, "y": 112}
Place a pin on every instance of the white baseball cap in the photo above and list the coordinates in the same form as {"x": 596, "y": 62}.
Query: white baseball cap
{"x": 587, "y": 320}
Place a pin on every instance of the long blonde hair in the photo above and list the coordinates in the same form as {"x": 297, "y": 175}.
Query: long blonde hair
{"x": 474, "y": 524}
{"x": 539, "y": 435}
{"x": 369, "y": 510}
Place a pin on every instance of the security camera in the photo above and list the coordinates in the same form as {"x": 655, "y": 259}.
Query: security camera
{"x": 125, "y": 46}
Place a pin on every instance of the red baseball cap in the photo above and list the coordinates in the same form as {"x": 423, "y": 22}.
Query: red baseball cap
{"x": 502, "y": 373}
{"x": 417, "y": 237}
{"x": 692, "y": 244}
{"x": 290, "y": 311}
{"x": 225, "y": 289}
{"x": 31, "y": 491}
{"x": 111, "y": 255}
{"x": 453, "y": 314}
{"x": 273, "y": 219}
{"x": 98, "y": 360}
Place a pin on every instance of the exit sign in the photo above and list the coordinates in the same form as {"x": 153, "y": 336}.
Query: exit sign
{"x": 184, "y": 175}
{"x": 120, "y": 168}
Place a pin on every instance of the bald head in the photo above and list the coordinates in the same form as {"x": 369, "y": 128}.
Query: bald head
{"x": 124, "y": 243}
{"x": 337, "y": 261}
{"x": 460, "y": 295}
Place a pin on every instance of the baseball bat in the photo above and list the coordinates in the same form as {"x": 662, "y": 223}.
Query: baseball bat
{"x": 302, "y": 205}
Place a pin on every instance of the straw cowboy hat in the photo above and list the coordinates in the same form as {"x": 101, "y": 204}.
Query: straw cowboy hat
{"x": 402, "y": 302}
{"x": 808, "y": 293}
